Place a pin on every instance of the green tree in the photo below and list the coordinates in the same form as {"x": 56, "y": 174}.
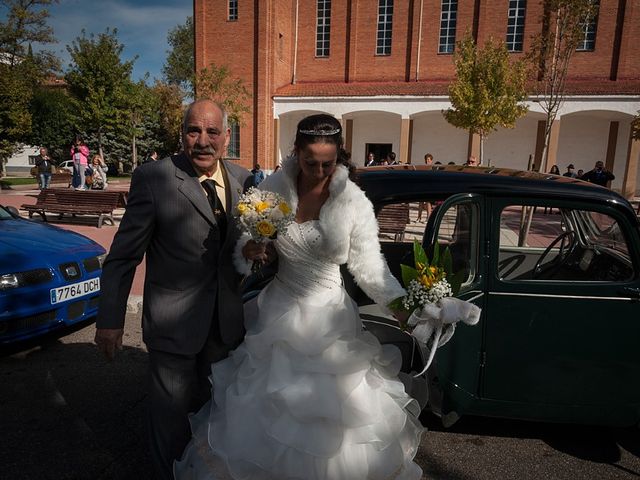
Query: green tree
{"x": 563, "y": 28}
{"x": 26, "y": 24}
{"x": 143, "y": 122}
{"x": 20, "y": 69}
{"x": 181, "y": 82}
{"x": 15, "y": 119}
{"x": 218, "y": 84}
{"x": 169, "y": 100}
{"x": 53, "y": 124}
{"x": 488, "y": 90}
{"x": 179, "y": 67}
{"x": 100, "y": 84}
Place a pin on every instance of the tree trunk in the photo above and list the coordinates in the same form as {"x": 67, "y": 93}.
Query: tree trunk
{"x": 100, "y": 143}
{"x": 134, "y": 153}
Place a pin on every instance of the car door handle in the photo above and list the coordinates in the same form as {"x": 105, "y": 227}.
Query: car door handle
{"x": 632, "y": 291}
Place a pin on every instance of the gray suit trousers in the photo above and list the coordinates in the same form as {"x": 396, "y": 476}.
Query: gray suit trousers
{"x": 178, "y": 385}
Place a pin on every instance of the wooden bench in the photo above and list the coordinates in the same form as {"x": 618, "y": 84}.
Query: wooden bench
{"x": 62, "y": 175}
{"x": 393, "y": 219}
{"x": 72, "y": 202}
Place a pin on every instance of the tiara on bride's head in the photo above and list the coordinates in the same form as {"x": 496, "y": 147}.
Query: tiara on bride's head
{"x": 320, "y": 133}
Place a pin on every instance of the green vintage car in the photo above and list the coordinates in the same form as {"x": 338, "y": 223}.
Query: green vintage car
{"x": 553, "y": 262}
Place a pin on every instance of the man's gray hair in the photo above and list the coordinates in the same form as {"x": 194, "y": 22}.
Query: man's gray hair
{"x": 187, "y": 112}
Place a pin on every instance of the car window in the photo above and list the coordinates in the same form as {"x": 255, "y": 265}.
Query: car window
{"x": 458, "y": 231}
{"x": 561, "y": 244}
{"x": 398, "y": 227}
{"x": 399, "y": 224}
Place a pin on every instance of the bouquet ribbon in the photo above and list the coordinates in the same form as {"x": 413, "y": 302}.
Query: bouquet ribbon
{"x": 438, "y": 321}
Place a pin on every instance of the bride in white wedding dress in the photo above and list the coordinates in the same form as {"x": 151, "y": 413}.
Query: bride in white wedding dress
{"x": 308, "y": 394}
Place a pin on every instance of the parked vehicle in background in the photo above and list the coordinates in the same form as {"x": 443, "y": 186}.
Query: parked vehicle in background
{"x": 49, "y": 278}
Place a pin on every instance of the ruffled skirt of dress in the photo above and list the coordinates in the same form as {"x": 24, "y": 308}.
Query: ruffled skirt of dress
{"x": 308, "y": 395}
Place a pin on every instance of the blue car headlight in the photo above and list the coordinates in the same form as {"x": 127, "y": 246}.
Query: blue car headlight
{"x": 94, "y": 263}
{"x": 22, "y": 279}
{"x": 9, "y": 280}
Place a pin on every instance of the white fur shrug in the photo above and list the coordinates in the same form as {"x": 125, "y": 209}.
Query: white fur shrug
{"x": 348, "y": 227}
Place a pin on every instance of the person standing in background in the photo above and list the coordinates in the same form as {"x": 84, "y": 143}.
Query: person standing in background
{"x": 80, "y": 156}
{"x": 428, "y": 161}
{"x": 258, "y": 175}
{"x": 599, "y": 175}
{"x": 45, "y": 168}
{"x": 570, "y": 172}
{"x": 371, "y": 160}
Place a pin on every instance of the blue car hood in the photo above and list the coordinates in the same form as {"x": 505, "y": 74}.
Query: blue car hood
{"x": 25, "y": 244}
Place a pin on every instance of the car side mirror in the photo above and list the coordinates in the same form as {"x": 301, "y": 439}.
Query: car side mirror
{"x": 13, "y": 211}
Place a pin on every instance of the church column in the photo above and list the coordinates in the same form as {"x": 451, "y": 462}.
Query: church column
{"x": 276, "y": 143}
{"x": 347, "y": 125}
{"x": 406, "y": 130}
{"x": 630, "y": 182}
{"x": 611, "y": 147}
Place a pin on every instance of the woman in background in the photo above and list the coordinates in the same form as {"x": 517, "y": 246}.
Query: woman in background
{"x": 80, "y": 156}
{"x": 99, "y": 174}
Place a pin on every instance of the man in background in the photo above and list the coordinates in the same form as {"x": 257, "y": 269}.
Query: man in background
{"x": 570, "y": 172}
{"x": 599, "y": 175}
{"x": 44, "y": 167}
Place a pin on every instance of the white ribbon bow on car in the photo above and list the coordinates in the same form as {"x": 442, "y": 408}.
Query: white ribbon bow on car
{"x": 438, "y": 320}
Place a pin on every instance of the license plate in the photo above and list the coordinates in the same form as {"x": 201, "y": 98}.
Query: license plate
{"x": 76, "y": 290}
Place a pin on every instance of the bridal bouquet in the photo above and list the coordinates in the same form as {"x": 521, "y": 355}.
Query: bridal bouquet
{"x": 434, "y": 311}
{"x": 262, "y": 214}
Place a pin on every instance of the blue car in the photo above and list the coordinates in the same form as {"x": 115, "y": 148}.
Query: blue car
{"x": 49, "y": 278}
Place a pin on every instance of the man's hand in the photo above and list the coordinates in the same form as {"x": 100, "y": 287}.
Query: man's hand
{"x": 108, "y": 340}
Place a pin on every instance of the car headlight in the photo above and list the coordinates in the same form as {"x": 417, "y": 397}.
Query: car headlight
{"x": 22, "y": 279}
{"x": 9, "y": 280}
{"x": 94, "y": 263}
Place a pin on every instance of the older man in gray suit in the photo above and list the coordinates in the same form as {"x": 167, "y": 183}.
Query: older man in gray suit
{"x": 178, "y": 214}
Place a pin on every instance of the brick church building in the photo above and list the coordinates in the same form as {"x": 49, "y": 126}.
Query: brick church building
{"x": 382, "y": 67}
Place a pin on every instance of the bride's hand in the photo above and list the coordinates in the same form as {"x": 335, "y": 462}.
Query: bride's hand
{"x": 402, "y": 316}
{"x": 255, "y": 251}
{"x": 259, "y": 252}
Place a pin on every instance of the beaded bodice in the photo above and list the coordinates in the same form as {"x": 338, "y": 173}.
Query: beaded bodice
{"x": 301, "y": 265}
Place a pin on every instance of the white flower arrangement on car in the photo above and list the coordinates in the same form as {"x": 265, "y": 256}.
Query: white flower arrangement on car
{"x": 262, "y": 215}
{"x": 434, "y": 311}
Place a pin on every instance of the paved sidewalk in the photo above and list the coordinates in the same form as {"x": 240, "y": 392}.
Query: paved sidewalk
{"x": 27, "y": 194}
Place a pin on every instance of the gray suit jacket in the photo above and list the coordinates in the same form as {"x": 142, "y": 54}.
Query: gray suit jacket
{"x": 189, "y": 271}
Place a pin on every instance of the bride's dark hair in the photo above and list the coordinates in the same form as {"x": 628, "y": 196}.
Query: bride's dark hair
{"x": 322, "y": 128}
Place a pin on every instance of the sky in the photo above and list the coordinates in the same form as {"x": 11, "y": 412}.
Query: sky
{"x": 142, "y": 27}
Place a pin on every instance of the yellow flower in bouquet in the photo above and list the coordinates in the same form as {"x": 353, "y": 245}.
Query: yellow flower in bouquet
{"x": 262, "y": 206}
{"x": 284, "y": 208}
{"x": 266, "y": 228}
{"x": 428, "y": 281}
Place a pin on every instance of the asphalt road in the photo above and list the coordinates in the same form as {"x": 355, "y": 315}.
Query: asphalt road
{"x": 65, "y": 413}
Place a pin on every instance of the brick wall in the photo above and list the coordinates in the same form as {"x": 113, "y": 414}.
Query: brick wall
{"x": 263, "y": 52}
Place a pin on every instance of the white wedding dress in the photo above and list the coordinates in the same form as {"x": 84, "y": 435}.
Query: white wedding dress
{"x": 309, "y": 394}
